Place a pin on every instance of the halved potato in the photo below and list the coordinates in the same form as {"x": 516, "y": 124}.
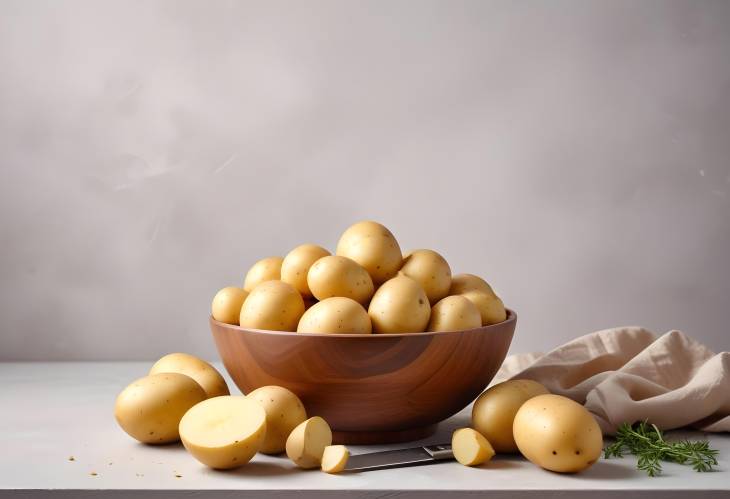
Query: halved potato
{"x": 306, "y": 443}
{"x": 224, "y": 432}
{"x": 470, "y": 447}
{"x": 335, "y": 458}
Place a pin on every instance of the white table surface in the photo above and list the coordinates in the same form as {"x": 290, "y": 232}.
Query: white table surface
{"x": 52, "y": 411}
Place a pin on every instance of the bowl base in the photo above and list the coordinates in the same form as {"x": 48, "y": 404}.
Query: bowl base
{"x": 382, "y": 437}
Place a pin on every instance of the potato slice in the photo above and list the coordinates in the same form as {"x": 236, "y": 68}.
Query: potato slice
{"x": 470, "y": 447}
{"x": 335, "y": 458}
{"x": 306, "y": 443}
{"x": 224, "y": 432}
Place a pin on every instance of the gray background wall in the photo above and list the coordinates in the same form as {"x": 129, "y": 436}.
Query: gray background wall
{"x": 574, "y": 153}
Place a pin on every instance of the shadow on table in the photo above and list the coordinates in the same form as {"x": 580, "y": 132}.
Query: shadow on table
{"x": 261, "y": 469}
{"x": 606, "y": 470}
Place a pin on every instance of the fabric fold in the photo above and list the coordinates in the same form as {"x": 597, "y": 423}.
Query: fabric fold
{"x": 629, "y": 374}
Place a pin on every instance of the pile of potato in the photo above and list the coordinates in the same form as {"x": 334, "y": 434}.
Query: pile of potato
{"x": 185, "y": 398}
{"x": 367, "y": 286}
{"x": 521, "y": 415}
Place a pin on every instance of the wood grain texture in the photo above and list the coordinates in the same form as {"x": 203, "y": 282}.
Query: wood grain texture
{"x": 369, "y": 387}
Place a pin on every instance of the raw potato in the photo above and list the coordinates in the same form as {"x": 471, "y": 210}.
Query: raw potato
{"x": 226, "y": 306}
{"x": 336, "y": 315}
{"x": 557, "y": 434}
{"x": 296, "y": 265}
{"x": 339, "y": 276}
{"x": 494, "y": 411}
{"x": 306, "y": 443}
{"x": 284, "y": 411}
{"x": 470, "y": 447}
{"x": 490, "y": 306}
{"x": 454, "y": 313}
{"x": 462, "y": 283}
{"x": 335, "y": 458}
{"x": 224, "y": 432}
{"x": 399, "y": 306}
{"x": 430, "y": 270}
{"x": 373, "y": 246}
{"x": 203, "y": 373}
{"x": 272, "y": 305}
{"x": 150, "y": 408}
{"x": 267, "y": 269}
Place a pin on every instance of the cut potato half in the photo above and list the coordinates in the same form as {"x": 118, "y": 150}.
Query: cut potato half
{"x": 335, "y": 458}
{"x": 470, "y": 447}
{"x": 224, "y": 432}
{"x": 306, "y": 443}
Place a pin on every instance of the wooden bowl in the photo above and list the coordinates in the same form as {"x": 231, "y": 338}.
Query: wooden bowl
{"x": 370, "y": 388}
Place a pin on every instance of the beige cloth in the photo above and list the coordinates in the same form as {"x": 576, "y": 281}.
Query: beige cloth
{"x": 629, "y": 374}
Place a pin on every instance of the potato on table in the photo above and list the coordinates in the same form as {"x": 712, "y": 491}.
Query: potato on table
{"x": 224, "y": 432}
{"x": 150, "y": 408}
{"x": 558, "y": 434}
{"x": 494, "y": 411}
{"x": 284, "y": 411}
{"x": 334, "y": 458}
{"x": 470, "y": 448}
{"x": 306, "y": 443}
{"x": 203, "y": 373}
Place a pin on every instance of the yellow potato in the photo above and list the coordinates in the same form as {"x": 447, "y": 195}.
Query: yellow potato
{"x": 490, "y": 306}
{"x": 224, "y": 432}
{"x": 335, "y": 458}
{"x": 272, "y": 305}
{"x": 150, "y": 409}
{"x": 339, "y": 276}
{"x": 462, "y": 283}
{"x": 557, "y": 434}
{"x": 399, "y": 306}
{"x": 373, "y": 246}
{"x": 203, "y": 373}
{"x": 494, "y": 411}
{"x": 267, "y": 269}
{"x": 470, "y": 447}
{"x": 296, "y": 265}
{"x": 306, "y": 443}
{"x": 284, "y": 411}
{"x": 226, "y": 306}
{"x": 454, "y": 313}
{"x": 430, "y": 270}
{"x": 336, "y": 315}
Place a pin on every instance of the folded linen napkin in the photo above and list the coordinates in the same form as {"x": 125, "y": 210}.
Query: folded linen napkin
{"x": 629, "y": 374}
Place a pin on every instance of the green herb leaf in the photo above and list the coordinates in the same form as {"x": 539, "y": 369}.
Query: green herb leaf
{"x": 647, "y": 443}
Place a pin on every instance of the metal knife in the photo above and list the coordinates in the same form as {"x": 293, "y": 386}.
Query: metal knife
{"x": 400, "y": 457}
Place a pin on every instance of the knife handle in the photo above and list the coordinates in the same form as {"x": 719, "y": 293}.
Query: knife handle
{"x": 442, "y": 451}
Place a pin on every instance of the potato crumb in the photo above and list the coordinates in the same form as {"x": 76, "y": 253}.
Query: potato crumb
{"x": 93, "y": 473}
{"x": 178, "y": 476}
{"x": 71, "y": 458}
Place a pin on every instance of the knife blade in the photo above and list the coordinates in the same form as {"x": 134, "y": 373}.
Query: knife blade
{"x": 414, "y": 456}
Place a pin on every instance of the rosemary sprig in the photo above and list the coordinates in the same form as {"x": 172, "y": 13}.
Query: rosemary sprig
{"x": 647, "y": 443}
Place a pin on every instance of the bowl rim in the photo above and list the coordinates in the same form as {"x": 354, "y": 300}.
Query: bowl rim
{"x": 511, "y": 318}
